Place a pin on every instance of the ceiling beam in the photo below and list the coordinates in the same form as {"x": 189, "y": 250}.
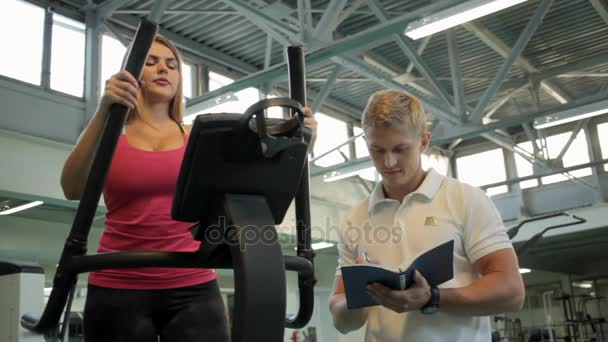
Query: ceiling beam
{"x": 196, "y": 48}
{"x": 385, "y": 80}
{"x": 357, "y": 42}
{"x": 456, "y": 72}
{"x": 407, "y": 46}
{"x": 328, "y": 22}
{"x": 520, "y": 45}
{"x": 500, "y": 47}
{"x": 548, "y": 73}
{"x": 106, "y": 8}
{"x": 601, "y": 8}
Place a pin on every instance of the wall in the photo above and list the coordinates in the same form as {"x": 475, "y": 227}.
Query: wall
{"x": 47, "y": 114}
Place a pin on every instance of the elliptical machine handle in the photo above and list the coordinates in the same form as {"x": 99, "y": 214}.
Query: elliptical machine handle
{"x": 76, "y": 242}
{"x": 269, "y": 144}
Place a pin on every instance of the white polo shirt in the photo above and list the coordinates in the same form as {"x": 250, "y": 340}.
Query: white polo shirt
{"x": 393, "y": 234}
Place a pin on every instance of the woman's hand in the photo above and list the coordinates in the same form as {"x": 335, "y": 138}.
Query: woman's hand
{"x": 121, "y": 88}
{"x": 310, "y": 122}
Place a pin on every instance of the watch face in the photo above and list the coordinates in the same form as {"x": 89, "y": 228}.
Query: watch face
{"x": 431, "y": 309}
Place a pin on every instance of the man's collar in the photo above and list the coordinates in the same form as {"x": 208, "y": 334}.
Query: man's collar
{"x": 428, "y": 188}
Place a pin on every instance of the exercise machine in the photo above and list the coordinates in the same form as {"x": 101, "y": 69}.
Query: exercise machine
{"x": 238, "y": 177}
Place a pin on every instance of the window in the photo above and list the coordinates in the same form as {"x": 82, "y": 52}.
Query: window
{"x": 21, "y": 34}
{"x": 576, "y": 154}
{"x": 187, "y": 80}
{"x": 483, "y": 168}
{"x": 236, "y": 103}
{"x": 360, "y": 144}
{"x": 67, "y": 56}
{"x": 112, "y": 54}
{"x": 524, "y": 167}
{"x": 602, "y": 132}
{"x": 274, "y": 112}
{"x": 436, "y": 161}
{"x": 330, "y": 133}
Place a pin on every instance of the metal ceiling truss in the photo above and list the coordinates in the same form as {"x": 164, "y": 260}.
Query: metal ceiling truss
{"x": 296, "y": 26}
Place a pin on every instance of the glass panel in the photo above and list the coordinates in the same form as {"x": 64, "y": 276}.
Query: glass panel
{"x": 474, "y": 170}
{"x": 274, "y": 112}
{"x": 524, "y": 167}
{"x": 360, "y": 144}
{"x": 21, "y": 35}
{"x": 67, "y": 56}
{"x": 187, "y": 80}
{"x": 436, "y": 161}
{"x": 112, "y": 54}
{"x": 602, "y": 132}
{"x": 576, "y": 154}
{"x": 330, "y": 133}
{"x": 242, "y": 99}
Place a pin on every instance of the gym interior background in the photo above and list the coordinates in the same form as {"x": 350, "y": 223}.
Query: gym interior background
{"x": 516, "y": 100}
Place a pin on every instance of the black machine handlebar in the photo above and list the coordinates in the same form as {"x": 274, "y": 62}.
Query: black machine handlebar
{"x": 297, "y": 91}
{"x": 77, "y": 240}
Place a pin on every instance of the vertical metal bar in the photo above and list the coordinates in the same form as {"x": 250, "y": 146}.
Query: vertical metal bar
{"x": 532, "y": 137}
{"x": 297, "y": 91}
{"x": 511, "y": 170}
{"x": 305, "y": 20}
{"x": 268, "y": 53}
{"x": 202, "y": 77}
{"x": 91, "y": 66}
{"x": 521, "y": 43}
{"x": 457, "y": 86}
{"x": 352, "y": 148}
{"x": 45, "y": 76}
{"x": 595, "y": 153}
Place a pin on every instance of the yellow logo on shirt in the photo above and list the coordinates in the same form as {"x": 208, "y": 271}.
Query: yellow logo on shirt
{"x": 431, "y": 221}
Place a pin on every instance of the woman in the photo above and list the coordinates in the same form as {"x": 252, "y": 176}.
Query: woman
{"x": 146, "y": 304}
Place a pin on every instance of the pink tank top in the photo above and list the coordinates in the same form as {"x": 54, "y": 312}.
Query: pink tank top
{"x": 139, "y": 194}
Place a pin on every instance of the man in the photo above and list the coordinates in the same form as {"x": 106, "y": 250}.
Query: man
{"x": 409, "y": 212}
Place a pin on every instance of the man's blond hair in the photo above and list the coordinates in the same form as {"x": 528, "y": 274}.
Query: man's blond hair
{"x": 390, "y": 108}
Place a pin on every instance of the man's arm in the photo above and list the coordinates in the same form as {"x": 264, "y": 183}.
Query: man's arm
{"x": 500, "y": 288}
{"x": 345, "y": 320}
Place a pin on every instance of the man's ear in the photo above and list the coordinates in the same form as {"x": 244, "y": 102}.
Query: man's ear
{"x": 425, "y": 141}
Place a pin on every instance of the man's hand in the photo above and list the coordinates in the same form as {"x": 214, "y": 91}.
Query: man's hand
{"x": 401, "y": 301}
{"x": 310, "y": 122}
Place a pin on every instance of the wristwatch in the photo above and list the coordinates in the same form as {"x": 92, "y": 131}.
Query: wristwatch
{"x": 433, "y": 305}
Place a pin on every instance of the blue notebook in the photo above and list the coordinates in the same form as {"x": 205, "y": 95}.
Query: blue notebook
{"x": 435, "y": 265}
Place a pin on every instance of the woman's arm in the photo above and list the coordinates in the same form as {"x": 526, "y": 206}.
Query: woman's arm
{"x": 122, "y": 88}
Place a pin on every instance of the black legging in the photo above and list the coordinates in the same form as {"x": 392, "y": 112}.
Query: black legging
{"x": 188, "y": 314}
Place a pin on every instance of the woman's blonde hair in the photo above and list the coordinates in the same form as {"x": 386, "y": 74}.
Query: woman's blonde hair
{"x": 176, "y": 107}
{"x": 390, "y": 108}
